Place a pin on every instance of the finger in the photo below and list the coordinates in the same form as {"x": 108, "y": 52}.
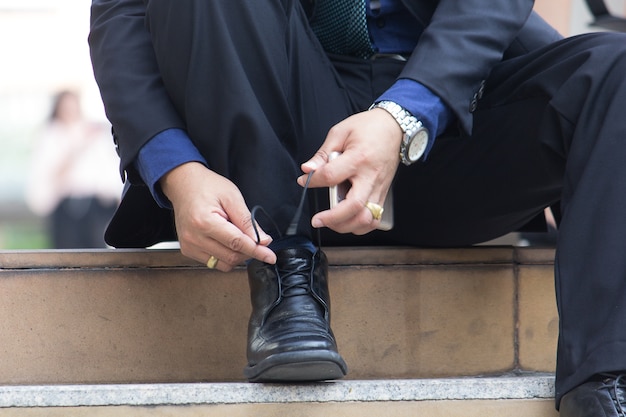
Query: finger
{"x": 203, "y": 247}
{"x": 318, "y": 160}
{"x": 352, "y": 215}
{"x": 221, "y": 265}
{"x": 359, "y": 223}
{"x": 241, "y": 217}
{"x": 254, "y": 241}
{"x": 331, "y": 173}
{"x": 332, "y": 143}
{"x": 217, "y": 236}
{"x": 236, "y": 241}
{"x": 348, "y": 216}
{"x": 203, "y": 251}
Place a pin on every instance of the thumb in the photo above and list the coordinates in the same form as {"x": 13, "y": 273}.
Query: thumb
{"x": 335, "y": 141}
{"x": 319, "y": 159}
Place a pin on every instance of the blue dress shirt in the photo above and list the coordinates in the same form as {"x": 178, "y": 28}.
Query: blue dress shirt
{"x": 392, "y": 30}
{"x": 160, "y": 155}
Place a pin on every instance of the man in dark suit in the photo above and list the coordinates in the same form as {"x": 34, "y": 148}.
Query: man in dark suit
{"x": 218, "y": 106}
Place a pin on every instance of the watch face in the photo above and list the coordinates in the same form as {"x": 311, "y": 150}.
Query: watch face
{"x": 418, "y": 145}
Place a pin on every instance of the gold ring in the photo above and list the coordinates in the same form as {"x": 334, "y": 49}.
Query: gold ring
{"x": 212, "y": 263}
{"x": 375, "y": 209}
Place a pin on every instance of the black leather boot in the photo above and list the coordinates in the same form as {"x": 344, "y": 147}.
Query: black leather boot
{"x": 289, "y": 335}
{"x": 602, "y": 396}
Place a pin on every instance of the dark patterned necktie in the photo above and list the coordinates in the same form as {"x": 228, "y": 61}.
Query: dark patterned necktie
{"x": 341, "y": 27}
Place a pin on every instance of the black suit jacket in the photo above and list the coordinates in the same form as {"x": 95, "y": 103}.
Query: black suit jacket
{"x": 461, "y": 42}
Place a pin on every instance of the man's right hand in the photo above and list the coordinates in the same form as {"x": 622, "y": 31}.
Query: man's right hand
{"x": 212, "y": 218}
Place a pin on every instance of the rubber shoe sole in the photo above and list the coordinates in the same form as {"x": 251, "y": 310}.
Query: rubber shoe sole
{"x": 303, "y": 366}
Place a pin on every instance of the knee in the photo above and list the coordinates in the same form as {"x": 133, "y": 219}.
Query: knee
{"x": 608, "y": 47}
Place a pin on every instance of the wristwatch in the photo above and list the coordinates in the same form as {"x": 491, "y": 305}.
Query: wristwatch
{"x": 415, "y": 137}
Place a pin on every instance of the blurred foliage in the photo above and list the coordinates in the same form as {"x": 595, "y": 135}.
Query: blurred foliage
{"x": 23, "y": 235}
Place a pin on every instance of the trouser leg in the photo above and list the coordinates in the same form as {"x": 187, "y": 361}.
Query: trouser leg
{"x": 591, "y": 261}
{"x": 255, "y": 89}
{"x": 550, "y": 127}
{"x": 584, "y": 133}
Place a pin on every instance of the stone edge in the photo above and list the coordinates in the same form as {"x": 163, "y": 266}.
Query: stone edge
{"x": 496, "y": 388}
{"x": 348, "y": 256}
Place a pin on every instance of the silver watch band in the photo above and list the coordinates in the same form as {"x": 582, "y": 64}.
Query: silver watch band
{"x": 409, "y": 152}
{"x": 408, "y": 123}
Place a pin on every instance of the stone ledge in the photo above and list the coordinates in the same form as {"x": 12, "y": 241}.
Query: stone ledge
{"x": 344, "y": 256}
{"x": 100, "y": 317}
{"x": 491, "y": 388}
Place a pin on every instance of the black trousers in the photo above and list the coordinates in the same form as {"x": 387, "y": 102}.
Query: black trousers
{"x": 259, "y": 94}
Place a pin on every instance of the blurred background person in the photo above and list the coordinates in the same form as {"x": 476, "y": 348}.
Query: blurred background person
{"x": 74, "y": 181}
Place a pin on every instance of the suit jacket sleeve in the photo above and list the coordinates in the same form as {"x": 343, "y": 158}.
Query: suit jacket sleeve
{"x": 127, "y": 74}
{"x": 462, "y": 41}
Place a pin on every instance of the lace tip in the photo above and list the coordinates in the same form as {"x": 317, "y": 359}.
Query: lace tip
{"x": 293, "y": 228}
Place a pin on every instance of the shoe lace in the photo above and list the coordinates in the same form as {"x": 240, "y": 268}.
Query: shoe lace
{"x": 293, "y": 226}
{"x": 615, "y": 384}
{"x": 293, "y": 281}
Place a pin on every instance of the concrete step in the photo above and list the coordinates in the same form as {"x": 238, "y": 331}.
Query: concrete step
{"x": 151, "y": 333}
{"x": 154, "y": 316}
{"x": 512, "y": 396}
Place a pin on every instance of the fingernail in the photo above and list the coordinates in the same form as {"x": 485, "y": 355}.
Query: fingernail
{"x": 310, "y": 165}
{"x": 317, "y": 223}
